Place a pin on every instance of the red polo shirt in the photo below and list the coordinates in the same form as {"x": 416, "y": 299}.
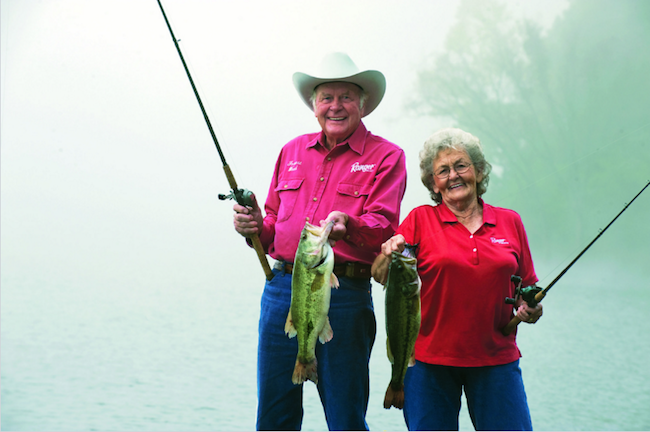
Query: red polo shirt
{"x": 364, "y": 177}
{"x": 465, "y": 280}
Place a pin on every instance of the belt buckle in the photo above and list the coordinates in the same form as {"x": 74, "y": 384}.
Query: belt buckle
{"x": 349, "y": 270}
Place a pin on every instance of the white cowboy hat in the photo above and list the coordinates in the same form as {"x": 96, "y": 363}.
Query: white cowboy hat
{"x": 339, "y": 66}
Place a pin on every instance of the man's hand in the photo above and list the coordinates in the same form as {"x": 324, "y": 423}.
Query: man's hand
{"x": 248, "y": 220}
{"x": 340, "y": 225}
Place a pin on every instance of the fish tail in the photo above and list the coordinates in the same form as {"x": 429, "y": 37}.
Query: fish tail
{"x": 305, "y": 371}
{"x": 394, "y": 397}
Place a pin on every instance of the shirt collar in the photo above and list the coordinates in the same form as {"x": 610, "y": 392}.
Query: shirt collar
{"x": 356, "y": 142}
{"x": 488, "y": 213}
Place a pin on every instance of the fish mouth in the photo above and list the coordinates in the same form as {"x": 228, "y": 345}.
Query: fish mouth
{"x": 321, "y": 232}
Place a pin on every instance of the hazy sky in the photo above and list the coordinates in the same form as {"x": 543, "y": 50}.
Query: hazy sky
{"x": 103, "y": 144}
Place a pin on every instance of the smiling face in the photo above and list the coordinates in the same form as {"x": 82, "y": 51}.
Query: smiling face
{"x": 336, "y": 107}
{"x": 457, "y": 190}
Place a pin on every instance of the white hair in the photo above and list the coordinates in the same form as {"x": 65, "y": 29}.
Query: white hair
{"x": 457, "y": 139}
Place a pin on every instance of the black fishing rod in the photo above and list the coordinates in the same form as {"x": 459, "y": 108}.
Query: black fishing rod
{"x": 534, "y": 294}
{"x": 242, "y": 196}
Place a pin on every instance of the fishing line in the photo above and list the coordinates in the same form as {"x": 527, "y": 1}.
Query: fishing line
{"x": 520, "y": 191}
{"x": 565, "y": 167}
{"x": 242, "y": 196}
{"x": 205, "y": 105}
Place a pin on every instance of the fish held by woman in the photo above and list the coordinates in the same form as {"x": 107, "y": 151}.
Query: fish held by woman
{"x": 402, "y": 321}
{"x": 311, "y": 283}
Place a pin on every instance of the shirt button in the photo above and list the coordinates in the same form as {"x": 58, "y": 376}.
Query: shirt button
{"x": 307, "y": 218}
{"x": 315, "y": 199}
{"x": 329, "y": 158}
{"x": 322, "y": 179}
{"x": 474, "y": 250}
{"x": 472, "y": 236}
{"x": 286, "y": 186}
{"x": 356, "y": 192}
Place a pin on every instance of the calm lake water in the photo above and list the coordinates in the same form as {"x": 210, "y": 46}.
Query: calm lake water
{"x": 164, "y": 347}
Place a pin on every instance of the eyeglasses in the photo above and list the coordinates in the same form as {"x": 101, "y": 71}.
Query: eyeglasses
{"x": 460, "y": 168}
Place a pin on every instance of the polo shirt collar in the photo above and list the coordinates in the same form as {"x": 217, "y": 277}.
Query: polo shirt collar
{"x": 356, "y": 142}
{"x": 489, "y": 217}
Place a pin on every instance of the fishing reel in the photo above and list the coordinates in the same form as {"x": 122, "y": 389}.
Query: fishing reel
{"x": 527, "y": 293}
{"x": 242, "y": 196}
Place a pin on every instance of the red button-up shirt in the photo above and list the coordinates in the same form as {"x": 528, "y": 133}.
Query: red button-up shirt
{"x": 465, "y": 280}
{"x": 364, "y": 177}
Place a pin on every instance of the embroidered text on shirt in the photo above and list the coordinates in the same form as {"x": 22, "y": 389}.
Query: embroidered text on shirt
{"x": 293, "y": 165}
{"x": 356, "y": 167}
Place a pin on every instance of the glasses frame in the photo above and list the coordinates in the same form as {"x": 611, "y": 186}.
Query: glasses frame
{"x": 446, "y": 175}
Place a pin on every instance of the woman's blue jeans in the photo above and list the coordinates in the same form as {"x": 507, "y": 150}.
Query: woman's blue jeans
{"x": 496, "y": 399}
{"x": 343, "y": 379}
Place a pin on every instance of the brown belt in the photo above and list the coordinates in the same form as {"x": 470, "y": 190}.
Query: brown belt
{"x": 350, "y": 269}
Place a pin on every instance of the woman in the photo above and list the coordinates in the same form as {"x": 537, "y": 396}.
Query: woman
{"x": 467, "y": 252}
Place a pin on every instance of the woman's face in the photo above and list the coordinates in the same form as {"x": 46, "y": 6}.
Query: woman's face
{"x": 456, "y": 189}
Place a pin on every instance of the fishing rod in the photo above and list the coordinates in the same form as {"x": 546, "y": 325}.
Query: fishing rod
{"x": 242, "y": 196}
{"x": 534, "y": 294}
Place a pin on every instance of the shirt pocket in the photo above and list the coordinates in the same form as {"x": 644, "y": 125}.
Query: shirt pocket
{"x": 288, "y": 191}
{"x": 351, "y": 197}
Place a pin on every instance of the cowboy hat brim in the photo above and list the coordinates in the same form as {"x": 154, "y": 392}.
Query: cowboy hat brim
{"x": 372, "y": 81}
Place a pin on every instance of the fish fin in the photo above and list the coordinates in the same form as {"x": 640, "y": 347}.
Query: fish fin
{"x": 394, "y": 397}
{"x": 289, "y": 329}
{"x": 303, "y": 372}
{"x": 412, "y": 360}
{"x": 327, "y": 333}
{"x": 389, "y": 352}
{"x": 334, "y": 281}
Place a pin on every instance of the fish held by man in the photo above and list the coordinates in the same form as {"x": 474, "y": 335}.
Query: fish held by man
{"x": 311, "y": 283}
{"x": 402, "y": 321}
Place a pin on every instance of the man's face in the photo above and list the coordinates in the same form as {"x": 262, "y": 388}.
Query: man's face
{"x": 337, "y": 109}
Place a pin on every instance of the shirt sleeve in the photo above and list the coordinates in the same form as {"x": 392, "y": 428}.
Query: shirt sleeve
{"x": 380, "y": 217}
{"x": 271, "y": 209}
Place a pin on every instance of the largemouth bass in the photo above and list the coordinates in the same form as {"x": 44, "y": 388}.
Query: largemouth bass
{"x": 402, "y": 321}
{"x": 311, "y": 288}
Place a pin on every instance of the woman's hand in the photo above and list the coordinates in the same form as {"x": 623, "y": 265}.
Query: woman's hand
{"x": 379, "y": 268}
{"x": 528, "y": 314}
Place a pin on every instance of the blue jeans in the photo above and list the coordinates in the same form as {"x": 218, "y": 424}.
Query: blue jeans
{"x": 343, "y": 379}
{"x": 496, "y": 399}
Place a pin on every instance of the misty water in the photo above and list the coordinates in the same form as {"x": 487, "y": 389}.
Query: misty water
{"x": 169, "y": 353}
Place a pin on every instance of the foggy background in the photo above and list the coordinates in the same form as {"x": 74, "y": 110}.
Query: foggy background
{"x": 128, "y": 302}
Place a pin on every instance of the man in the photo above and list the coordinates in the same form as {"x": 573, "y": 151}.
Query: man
{"x": 343, "y": 174}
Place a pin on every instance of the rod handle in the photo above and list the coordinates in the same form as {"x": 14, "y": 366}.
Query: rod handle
{"x": 514, "y": 322}
{"x": 231, "y": 178}
{"x": 257, "y": 245}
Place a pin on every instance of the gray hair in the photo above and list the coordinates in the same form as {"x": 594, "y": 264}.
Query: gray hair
{"x": 363, "y": 95}
{"x": 456, "y": 139}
